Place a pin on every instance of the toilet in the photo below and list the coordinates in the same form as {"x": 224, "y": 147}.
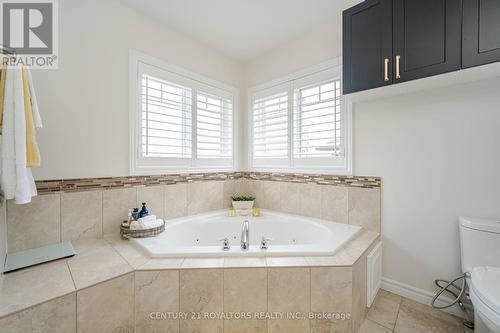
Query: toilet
{"x": 480, "y": 254}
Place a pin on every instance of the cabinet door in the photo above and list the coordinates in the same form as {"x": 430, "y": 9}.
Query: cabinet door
{"x": 427, "y": 38}
{"x": 481, "y": 32}
{"x": 367, "y": 45}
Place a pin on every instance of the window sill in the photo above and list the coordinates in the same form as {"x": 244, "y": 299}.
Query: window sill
{"x": 321, "y": 171}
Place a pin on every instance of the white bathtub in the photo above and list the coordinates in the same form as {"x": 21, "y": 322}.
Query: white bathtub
{"x": 292, "y": 235}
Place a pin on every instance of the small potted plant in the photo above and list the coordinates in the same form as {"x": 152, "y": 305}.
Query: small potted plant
{"x": 243, "y": 202}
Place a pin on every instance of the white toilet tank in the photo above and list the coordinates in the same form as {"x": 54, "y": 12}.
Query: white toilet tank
{"x": 479, "y": 243}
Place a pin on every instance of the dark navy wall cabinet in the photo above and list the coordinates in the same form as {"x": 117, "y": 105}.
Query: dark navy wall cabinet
{"x": 427, "y": 38}
{"x": 481, "y": 32}
{"x": 367, "y": 45}
{"x": 391, "y": 41}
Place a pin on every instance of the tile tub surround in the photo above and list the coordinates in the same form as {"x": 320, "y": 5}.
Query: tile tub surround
{"x": 92, "y": 214}
{"x": 85, "y": 212}
{"x": 158, "y": 283}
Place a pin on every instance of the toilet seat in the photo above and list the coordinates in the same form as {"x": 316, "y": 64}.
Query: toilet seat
{"x": 485, "y": 295}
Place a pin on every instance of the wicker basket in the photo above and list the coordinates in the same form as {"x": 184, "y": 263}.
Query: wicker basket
{"x": 126, "y": 233}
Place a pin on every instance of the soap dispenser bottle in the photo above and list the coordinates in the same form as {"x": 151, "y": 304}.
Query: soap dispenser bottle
{"x": 144, "y": 211}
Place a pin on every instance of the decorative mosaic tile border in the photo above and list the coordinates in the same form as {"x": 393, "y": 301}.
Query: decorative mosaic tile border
{"x": 89, "y": 184}
{"x": 351, "y": 181}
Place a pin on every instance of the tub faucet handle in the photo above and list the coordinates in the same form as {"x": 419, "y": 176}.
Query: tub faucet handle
{"x": 225, "y": 243}
{"x": 264, "y": 243}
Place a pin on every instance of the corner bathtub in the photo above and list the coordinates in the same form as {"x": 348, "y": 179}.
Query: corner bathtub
{"x": 291, "y": 235}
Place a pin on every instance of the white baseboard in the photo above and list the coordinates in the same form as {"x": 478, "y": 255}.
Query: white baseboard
{"x": 418, "y": 295}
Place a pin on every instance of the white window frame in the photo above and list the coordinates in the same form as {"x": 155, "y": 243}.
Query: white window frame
{"x": 322, "y": 72}
{"x": 140, "y": 165}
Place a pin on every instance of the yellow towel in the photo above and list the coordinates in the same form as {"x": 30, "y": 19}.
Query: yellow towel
{"x": 32, "y": 151}
{"x": 3, "y": 71}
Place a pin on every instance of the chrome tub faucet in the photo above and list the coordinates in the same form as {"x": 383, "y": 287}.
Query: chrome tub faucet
{"x": 245, "y": 236}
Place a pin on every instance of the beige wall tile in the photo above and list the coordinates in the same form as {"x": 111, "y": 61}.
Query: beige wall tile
{"x": 245, "y": 289}
{"x": 288, "y": 326}
{"x": 154, "y": 197}
{"x": 201, "y": 292}
{"x": 290, "y": 197}
{"x": 286, "y": 261}
{"x": 189, "y": 263}
{"x": 310, "y": 200}
{"x": 116, "y": 204}
{"x": 245, "y": 326}
{"x": 254, "y": 188}
{"x": 128, "y": 251}
{"x": 96, "y": 261}
{"x": 231, "y": 187}
{"x": 331, "y": 326}
{"x": 175, "y": 201}
{"x": 201, "y": 326}
{"x": 156, "y": 291}
{"x": 334, "y": 205}
{"x": 35, "y": 224}
{"x": 34, "y": 285}
{"x": 289, "y": 291}
{"x": 56, "y": 316}
{"x": 81, "y": 215}
{"x": 364, "y": 208}
{"x": 204, "y": 197}
{"x": 384, "y": 309}
{"x": 359, "y": 288}
{"x": 331, "y": 289}
{"x": 107, "y": 307}
{"x": 162, "y": 263}
{"x": 271, "y": 195}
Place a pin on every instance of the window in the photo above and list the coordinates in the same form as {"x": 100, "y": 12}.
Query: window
{"x": 301, "y": 124}
{"x": 180, "y": 120}
{"x": 214, "y": 126}
{"x": 270, "y": 124}
{"x": 166, "y": 119}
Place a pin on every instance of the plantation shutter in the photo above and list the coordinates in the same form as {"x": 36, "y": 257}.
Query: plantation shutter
{"x": 317, "y": 121}
{"x": 214, "y": 126}
{"x": 166, "y": 118}
{"x": 270, "y": 127}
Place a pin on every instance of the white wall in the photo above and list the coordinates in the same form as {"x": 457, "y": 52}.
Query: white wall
{"x": 84, "y": 104}
{"x": 314, "y": 47}
{"x": 437, "y": 152}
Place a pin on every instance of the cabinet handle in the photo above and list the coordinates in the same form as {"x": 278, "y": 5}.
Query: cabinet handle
{"x": 386, "y": 69}
{"x": 398, "y": 74}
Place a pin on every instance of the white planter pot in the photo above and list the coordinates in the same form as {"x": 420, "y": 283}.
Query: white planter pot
{"x": 243, "y": 204}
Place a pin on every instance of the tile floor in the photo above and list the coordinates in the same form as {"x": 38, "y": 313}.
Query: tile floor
{"x": 393, "y": 313}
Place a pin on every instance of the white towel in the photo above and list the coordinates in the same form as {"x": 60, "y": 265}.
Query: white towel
{"x": 8, "y": 148}
{"x": 139, "y": 225}
{"x": 147, "y": 219}
{"x": 17, "y": 180}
